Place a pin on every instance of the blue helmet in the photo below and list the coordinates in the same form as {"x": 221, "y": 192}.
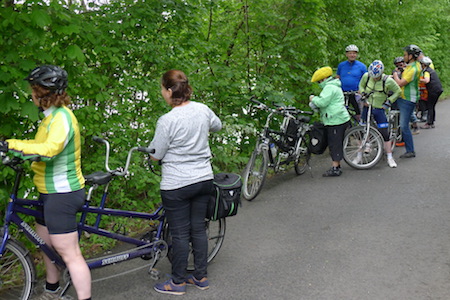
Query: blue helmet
{"x": 376, "y": 69}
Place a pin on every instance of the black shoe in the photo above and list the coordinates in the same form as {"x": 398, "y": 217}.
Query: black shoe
{"x": 408, "y": 155}
{"x": 333, "y": 172}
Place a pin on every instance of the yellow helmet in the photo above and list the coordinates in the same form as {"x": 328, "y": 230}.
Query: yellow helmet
{"x": 321, "y": 74}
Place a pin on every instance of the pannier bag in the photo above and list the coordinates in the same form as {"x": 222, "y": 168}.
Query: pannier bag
{"x": 318, "y": 141}
{"x": 226, "y": 196}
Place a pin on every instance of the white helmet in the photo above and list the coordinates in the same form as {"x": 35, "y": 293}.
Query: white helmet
{"x": 351, "y": 48}
{"x": 426, "y": 60}
{"x": 376, "y": 69}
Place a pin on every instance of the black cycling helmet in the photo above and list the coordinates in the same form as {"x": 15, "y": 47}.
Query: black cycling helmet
{"x": 48, "y": 76}
{"x": 413, "y": 50}
{"x": 398, "y": 59}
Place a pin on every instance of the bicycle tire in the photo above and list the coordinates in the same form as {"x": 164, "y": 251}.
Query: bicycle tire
{"x": 215, "y": 231}
{"x": 352, "y": 140}
{"x": 17, "y": 272}
{"x": 255, "y": 174}
{"x": 302, "y": 156}
{"x": 395, "y": 131}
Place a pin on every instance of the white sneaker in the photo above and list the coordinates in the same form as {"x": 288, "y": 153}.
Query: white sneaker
{"x": 392, "y": 163}
{"x": 357, "y": 160}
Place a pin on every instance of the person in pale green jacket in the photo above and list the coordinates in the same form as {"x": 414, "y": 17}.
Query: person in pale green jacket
{"x": 377, "y": 86}
{"x": 333, "y": 114}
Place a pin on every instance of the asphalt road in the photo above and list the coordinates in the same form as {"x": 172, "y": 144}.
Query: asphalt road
{"x": 375, "y": 234}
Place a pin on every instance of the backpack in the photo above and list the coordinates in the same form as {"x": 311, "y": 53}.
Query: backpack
{"x": 383, "y": 79}
{"x": 226, "y": 196}
{"x": 318, "y": 140}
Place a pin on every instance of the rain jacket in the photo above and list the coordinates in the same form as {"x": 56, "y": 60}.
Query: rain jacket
{"x": 331, "y": 103}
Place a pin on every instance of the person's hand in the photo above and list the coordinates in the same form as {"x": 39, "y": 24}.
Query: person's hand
{"x": 3, "y": 146}
{"x": 311, "y": 97}
{"x": 386, "y": 105}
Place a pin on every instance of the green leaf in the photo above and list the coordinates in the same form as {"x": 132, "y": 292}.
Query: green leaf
{"x": 40, "y": 18}
{"x": 30, "y": 110}
{"x": 75, "y": 52}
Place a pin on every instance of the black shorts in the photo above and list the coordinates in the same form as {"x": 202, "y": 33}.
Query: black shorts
{"x": 60, "y": 211}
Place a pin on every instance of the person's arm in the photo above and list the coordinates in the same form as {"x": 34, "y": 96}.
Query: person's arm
{"x": 215, "y": 123}
{"x": 362, "y": 84}
{"x": 160, "y": 142}
{"x": 426, "y": 77}
{"x": 324, "y": 99}
{"x": 400, "y": 81}
{"x": 392, "y": 86}
{"x": 53, "y": 144}
{"x": 338, "y": 72}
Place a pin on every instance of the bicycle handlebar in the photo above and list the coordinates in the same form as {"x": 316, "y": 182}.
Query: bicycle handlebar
{"x": 282, "y": 110}
{"x": 121, "y": 171}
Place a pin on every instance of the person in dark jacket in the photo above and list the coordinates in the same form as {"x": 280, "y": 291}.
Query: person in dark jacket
{"x": 434, "y": 88}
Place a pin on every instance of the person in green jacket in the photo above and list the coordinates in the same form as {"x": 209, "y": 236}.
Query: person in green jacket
{"x": 377, "y": 86}
{"x": 333, "y": 114}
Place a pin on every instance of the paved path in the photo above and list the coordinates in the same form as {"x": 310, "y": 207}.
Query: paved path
{"x": 376, "y": 234}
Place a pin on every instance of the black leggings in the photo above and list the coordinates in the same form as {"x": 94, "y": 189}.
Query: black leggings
{"x": 335, "y": 135}
{"x": 431, "y": 104}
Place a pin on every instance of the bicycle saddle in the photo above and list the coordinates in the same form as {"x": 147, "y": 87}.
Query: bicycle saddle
{"x": 99, "y": 178}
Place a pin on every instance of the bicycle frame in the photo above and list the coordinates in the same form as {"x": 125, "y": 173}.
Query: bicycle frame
{"x": 18, "y": 206}
{"x": 290, "y": 144}
{"x": 266, "y": 138}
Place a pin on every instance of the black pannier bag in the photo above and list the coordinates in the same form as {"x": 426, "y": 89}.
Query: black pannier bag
{"x": 318, "y": 141}
{"x": 226, "y": 196}
{"x": 291, "y": 132}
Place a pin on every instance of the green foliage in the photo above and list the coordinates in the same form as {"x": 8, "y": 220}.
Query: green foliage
{"x": 115, "y": 55}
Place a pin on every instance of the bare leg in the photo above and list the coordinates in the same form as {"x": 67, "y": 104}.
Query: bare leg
{"x": 52, "y": 272}
{"x": 388, "y": 146}
{"x": 67, "y": 246}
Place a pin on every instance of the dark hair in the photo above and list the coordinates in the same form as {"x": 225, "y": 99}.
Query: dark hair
{"x": 48, "y": 97}
{"x": 177, "y": 82}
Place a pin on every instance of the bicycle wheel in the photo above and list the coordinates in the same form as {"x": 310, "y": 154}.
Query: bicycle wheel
{"x": 395, "y": 132}
{"x": 302, "y": 156}
{"x": 215, "y": 230}
{"x": 17, "y": 272}
{"x": 372, "y": 150}
{"x": 255, "y": 174}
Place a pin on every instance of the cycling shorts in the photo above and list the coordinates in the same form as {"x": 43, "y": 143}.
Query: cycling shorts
{"x": 60, "y": 211}
{"x": 380, "y": 117}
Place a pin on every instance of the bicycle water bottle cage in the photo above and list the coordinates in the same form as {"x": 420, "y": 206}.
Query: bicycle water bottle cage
{"x": 99, "y": 178}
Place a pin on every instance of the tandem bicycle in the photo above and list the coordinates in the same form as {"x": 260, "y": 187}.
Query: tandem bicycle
{"x": 17, "y": 270}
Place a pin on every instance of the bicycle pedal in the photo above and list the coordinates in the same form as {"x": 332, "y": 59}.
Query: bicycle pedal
{"x": 154, "y": 273}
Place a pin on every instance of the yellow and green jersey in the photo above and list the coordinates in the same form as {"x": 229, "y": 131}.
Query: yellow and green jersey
{"x": 58, "y": 144}
{"x": 411, "y": 74}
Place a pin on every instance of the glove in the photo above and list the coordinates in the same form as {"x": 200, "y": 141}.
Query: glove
{"x": 3, "y": 146}
{"x": 386, "y": 104}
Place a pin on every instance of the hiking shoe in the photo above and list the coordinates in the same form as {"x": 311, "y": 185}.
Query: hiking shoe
{"x": 408, "y": 155}
{"x": 202, "y": 284}
{"x": 52, "y": 295}
{"x": 415, "y": 130}
{"x": 400, "y": 144}
{"x": 169, "y": 287}
{"x": 333, "y": 172}
{"x": 391, "y": 162}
